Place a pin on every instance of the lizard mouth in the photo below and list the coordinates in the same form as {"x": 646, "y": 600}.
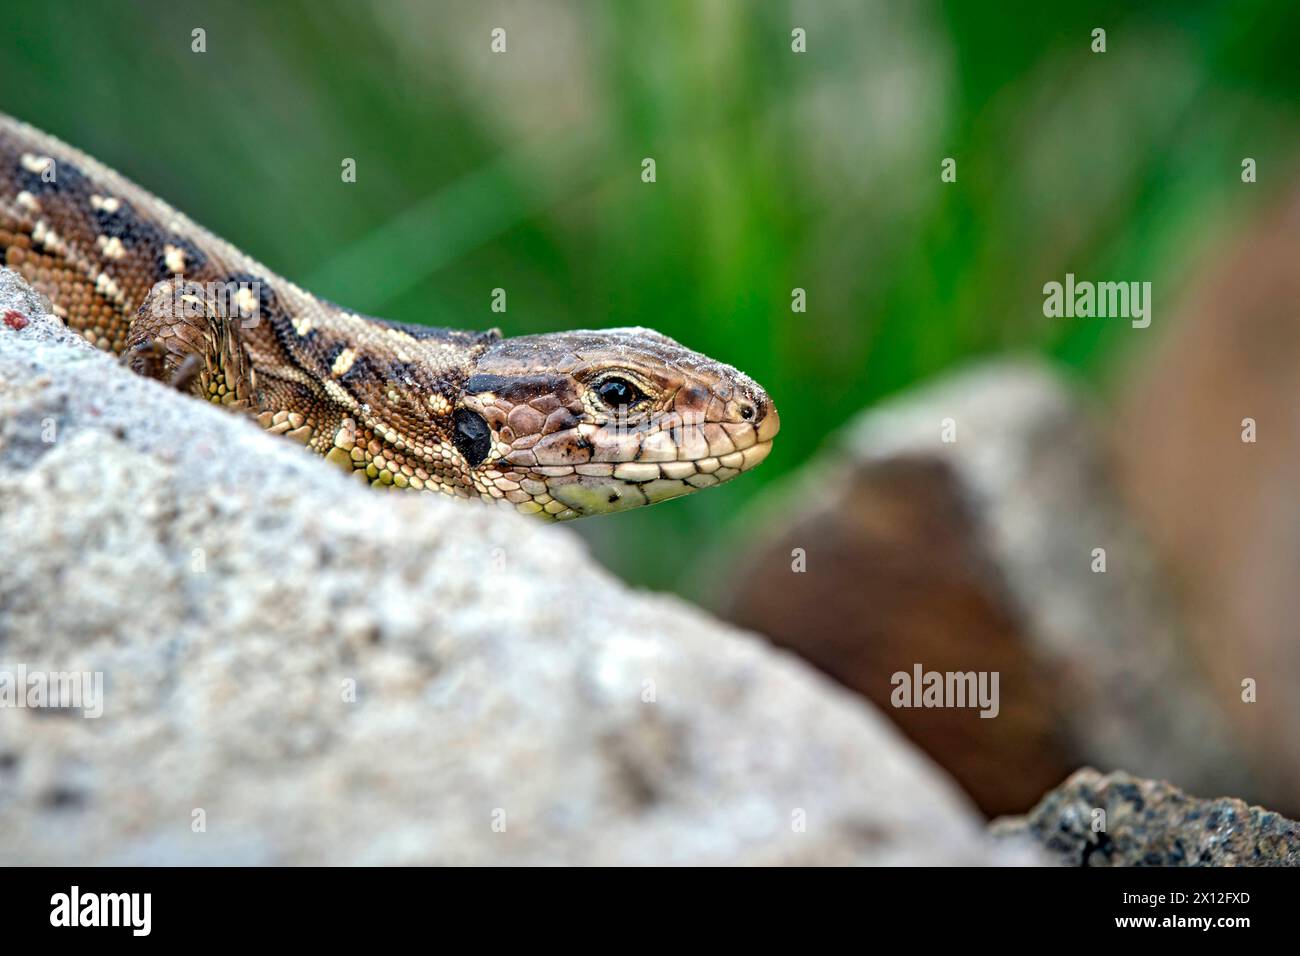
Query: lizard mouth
{"x": 649, "y": 484}
{"x": 612, "y": 486}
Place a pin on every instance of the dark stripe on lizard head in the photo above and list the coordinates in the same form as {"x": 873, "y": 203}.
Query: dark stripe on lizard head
{"x": 518, "y": 388}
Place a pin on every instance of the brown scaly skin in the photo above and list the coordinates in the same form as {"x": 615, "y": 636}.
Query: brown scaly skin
{"x": 560, "y": 425}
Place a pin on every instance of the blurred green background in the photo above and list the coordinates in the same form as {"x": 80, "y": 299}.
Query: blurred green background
{"x": 775, "y": 170}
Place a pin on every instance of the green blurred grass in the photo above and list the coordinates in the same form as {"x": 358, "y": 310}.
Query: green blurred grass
{"x": 774, "y": 171}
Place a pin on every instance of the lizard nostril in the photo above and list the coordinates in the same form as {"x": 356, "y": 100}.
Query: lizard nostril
{"x": 767, "y": 423}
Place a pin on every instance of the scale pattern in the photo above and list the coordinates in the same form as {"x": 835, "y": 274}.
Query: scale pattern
{"x": 467, "y": 414}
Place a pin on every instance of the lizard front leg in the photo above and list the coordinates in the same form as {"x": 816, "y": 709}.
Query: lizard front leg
{"x": 185, "y": 337}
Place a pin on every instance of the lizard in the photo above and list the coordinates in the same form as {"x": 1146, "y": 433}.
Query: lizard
{"x": 560, "y": 425}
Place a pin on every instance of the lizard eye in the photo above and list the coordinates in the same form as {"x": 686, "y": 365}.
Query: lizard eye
{"x": 616, "y": 392}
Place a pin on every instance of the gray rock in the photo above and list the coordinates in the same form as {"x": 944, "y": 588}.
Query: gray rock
{"x": 1150, "y": 823}
{"x": 1206, "y": 428}
{"x": 513, "y": 703}
{"x": 977, "y": 554}
{"x": 1033, "y": 464}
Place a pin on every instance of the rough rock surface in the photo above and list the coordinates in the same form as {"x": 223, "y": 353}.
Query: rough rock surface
{"x": 978, "y": 554}
{"x": 513, "y": 703}
{"x": 1150, "y": 823}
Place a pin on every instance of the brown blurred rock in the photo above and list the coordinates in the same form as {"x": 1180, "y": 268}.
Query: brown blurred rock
{"x": 976, "y": 555}
{"x": 1150, "y": 823}
{"x": 1225, "y": 514}
{"x": 897, "y": 576}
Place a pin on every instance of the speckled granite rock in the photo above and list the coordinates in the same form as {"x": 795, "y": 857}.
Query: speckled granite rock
{"x": 318, "y": 673}
{"x": 1151, "y": 823}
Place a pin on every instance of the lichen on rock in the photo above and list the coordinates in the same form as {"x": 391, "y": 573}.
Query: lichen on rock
{"x": 1121, "y": 820}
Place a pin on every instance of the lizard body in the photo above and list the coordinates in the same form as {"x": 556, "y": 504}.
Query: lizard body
{"x": 560, "y": 425}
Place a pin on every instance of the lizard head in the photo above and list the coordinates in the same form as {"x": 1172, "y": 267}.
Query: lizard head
{"x": 580, "y": 423}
